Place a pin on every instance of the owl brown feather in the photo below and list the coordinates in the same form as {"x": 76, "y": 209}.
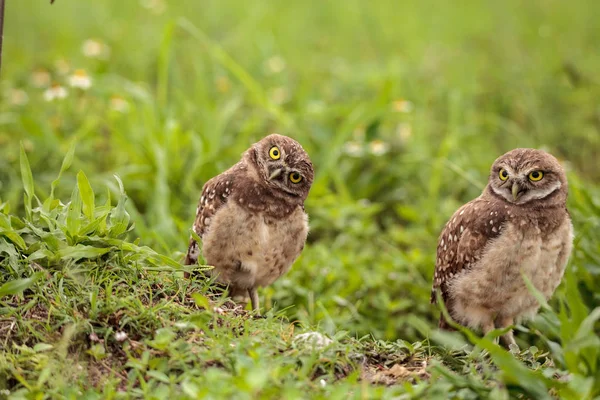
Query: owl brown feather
{"x": 214, "y": 195}
{"x": 462, "y": 242}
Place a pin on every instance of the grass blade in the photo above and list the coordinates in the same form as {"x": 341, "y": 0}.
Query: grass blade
{"x": 27, "y": 178}
{"x": 87, "y": 195}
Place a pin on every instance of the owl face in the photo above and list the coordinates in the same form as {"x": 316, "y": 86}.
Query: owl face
{"x": 284, "y": 165}
{"x": 524, "y": 176}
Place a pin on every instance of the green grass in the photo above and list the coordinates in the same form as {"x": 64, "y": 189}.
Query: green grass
{"x": 402, "y": 107}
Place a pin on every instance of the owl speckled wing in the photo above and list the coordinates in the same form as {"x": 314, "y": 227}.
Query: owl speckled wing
{"x": 463, "y": 240}
{"x": 214, "y": 195}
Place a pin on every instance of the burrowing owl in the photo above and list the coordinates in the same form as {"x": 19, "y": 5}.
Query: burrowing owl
{"x": 251, "y": 218}
{"x": 519, "y": 224}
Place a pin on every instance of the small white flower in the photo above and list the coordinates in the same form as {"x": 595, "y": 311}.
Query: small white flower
{"x": 55, "y": 92}
{"x": 323, "y": 383}
{"x": 120, "y": 336}
{"x": 93, "y": 48}
{"x": 353, "y": 149}
{"x": 18, "y": 97}
{"x": 5, "y": 392}
{"x": 378, "y": 147}
{"x": 80, "y": 79}
{"x": 117, "y": 103}
{"x": 40, "y": 78}
{"x": 403, "y": 106}
{"x": 275, "y": 64}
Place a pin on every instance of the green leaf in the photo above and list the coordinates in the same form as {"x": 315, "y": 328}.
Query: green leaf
{"x": 41, "y": 347}
{"x": 66, "y": 164}
{"x": 158, "y": 375}
{"x": 7, "y": 231}
{"x": 18, "y": 285}
{"x": 87, "y": 195}
{"x": 27, "y": 179}
{"x": 119, "y": 218}
{"x": 201, "y": 301}
{"x": 81, "y": 251}
{"x": 40, "y": 255}
{"x": 74, "y": 213}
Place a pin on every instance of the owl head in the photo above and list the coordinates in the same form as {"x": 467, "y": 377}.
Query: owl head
{"x": 283, "y": 165}
{"x": 528, "y": 176}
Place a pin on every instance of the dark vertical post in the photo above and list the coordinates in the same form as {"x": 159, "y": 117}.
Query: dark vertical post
{"x": 1, "y": 29}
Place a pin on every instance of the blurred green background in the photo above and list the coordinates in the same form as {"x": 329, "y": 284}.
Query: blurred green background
{"x": 402, "y": 106}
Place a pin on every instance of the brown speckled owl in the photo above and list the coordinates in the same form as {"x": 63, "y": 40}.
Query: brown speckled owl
{"x": 251, "y": 217}
{"x": 519, "y": 224}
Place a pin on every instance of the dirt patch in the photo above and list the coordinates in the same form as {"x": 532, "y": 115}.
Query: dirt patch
{"x": 396, "y": 373}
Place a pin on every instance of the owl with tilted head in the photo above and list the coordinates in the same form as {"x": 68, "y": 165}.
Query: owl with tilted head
{"x": 519, "y": 225}
{"x": 251, "y": 218}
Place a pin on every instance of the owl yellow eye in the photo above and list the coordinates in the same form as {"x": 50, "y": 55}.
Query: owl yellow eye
{"x": 274, "y": 153}
{"x": 536, "y": 176}
{"x": 503, "y": 174}
{"x": 295, "y": 177}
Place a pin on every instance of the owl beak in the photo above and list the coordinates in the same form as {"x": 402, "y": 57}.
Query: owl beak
{"x": 516, "y": 191}
{"x": 275, "y": 174}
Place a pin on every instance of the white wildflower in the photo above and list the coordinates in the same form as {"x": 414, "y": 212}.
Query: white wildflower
{"x": 275, "y": 64}
{"x": 93, "y": 48}
{"x": 378, "y": 147}
{"x": 353, "y": 149}
{"x": 403, "y": 106}
{"x": 118, "y": 103}
{"x": 323, "y": 383}
{"x": 80, "y": 79}
{"x": 55, "y": 92}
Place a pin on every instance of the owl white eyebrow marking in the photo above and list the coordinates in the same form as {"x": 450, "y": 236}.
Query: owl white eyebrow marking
{"x": 540, "y": 194}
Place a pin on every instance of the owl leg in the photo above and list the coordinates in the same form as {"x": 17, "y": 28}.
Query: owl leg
{"x": 254, "y": 299}
{"x": 508, "y": 338}
{"x": 238, "y": 295}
